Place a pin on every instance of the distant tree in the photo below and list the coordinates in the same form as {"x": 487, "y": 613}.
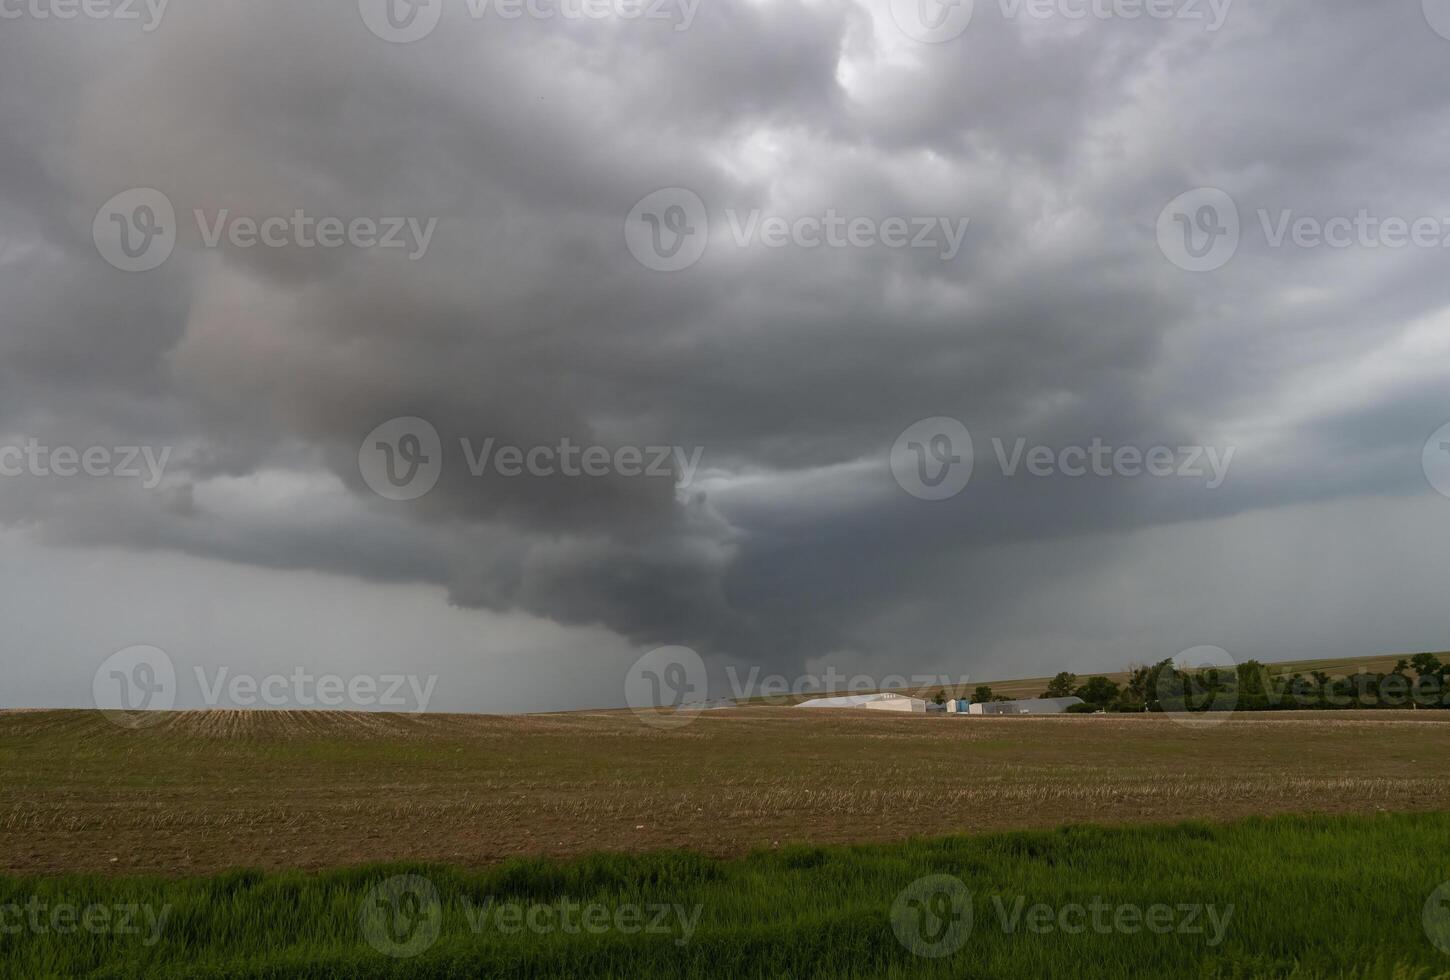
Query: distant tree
{"x": 1212, "y": 680}
{"x": 1060, "y": 686}
{"x": 1367, "y": 687}
{"x": 1427, "y": 665}
{"x": 1152, "y": 684}
{"x": 1099, "y": 691}
{"x": 1251, "y": 676}
{"x": 1401, "y": 666}
{"x": 1300, "y": 691}
{"x": 941, "y": 697}
{"x": 1128, "y": 703}
{"x": 982, "y": 694}
{"x": 1394, "y": 691}
{"x": 1429, "y": 687}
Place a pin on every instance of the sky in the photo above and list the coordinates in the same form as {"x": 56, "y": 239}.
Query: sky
{"x": 505, "y": 343}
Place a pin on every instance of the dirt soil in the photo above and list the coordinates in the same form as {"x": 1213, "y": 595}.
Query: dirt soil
{"x": 204, "y": 791}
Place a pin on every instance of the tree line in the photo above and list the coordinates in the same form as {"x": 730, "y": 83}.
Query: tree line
{"x": 1421, "y": 681}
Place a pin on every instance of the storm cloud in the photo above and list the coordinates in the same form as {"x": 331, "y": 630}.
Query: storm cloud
{"x": 791, "y": 358}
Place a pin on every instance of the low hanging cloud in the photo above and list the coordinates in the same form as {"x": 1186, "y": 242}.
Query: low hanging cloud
{"x": 858, "y": 230}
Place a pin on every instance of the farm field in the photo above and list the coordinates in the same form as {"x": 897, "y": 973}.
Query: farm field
{"x": 200, "y": 793}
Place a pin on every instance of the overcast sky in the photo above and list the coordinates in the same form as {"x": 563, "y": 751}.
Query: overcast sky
{"x": 1198, "y": 255}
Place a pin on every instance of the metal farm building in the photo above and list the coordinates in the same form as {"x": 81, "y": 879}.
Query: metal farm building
{"x": 876, "y": 702}
{"x": 1030, "y": 706}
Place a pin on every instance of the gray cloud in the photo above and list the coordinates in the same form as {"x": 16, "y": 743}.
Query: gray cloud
{"x": 527, "y": 320}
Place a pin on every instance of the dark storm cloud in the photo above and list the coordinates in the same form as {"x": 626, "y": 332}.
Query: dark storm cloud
{"x": 527, "y": 320}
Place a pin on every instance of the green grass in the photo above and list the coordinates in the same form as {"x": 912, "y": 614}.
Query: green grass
{"x": 1310, "y": 897}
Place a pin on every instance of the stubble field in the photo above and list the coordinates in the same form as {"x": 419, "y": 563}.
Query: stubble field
{"x": 197, "y": 793}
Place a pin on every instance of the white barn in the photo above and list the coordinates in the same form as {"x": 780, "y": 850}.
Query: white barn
{"x": 1030, "y": 706}
{"x": 876, "y": 702}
